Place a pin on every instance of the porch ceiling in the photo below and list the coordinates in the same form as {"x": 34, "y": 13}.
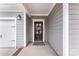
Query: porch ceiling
{"x": 39, "y": 8}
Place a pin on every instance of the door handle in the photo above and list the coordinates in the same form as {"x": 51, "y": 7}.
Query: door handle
{"x": 13, "y": 40}
{"x": 13, "y": 26}
{"x": 0, "y": 35}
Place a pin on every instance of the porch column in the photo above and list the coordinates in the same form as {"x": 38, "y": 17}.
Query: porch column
{"x": 65, "y": 29}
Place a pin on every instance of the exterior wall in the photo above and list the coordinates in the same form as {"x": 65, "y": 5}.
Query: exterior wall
{"x": 31, "y": 24}
{"x": 19, "y": 27}
{"x": 56, "y": 29}
{"x": 20, "y": 32}
{"x": 74, "y": 29}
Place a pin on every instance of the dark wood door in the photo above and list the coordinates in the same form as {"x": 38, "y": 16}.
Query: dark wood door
{"x": 38, "y": 31}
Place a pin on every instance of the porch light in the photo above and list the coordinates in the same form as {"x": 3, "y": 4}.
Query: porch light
{"x": 19, "y": 17}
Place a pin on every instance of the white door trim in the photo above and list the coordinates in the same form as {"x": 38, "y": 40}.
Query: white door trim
{"x": 15, "y": 25}
{"x": 43, "y": 20}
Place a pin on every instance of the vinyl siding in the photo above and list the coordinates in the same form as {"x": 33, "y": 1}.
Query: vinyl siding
{"x": 20, "y": 32}
{"x": 74, "y": 29}
{"x": 56, "y": 29}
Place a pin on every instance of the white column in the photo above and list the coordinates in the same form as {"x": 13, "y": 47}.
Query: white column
{"x": 24, "y": 29}
{"x": 65, "y": 29}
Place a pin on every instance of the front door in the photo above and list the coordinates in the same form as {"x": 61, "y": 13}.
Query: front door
{"x": 38, "y": 31}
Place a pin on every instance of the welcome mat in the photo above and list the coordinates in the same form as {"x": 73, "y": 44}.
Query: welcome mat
{"x": 38, "y": 44}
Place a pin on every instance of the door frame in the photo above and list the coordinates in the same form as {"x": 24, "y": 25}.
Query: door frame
{"x": 38, "y": 20}
{"x": 15, "y": 25}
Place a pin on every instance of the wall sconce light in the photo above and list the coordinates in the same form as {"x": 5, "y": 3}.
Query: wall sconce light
{"x": 19, "y": 17}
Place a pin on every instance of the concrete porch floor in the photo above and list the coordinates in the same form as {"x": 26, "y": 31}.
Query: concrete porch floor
{"x": 7, "y": 51}
{"x": 31, "y": 50}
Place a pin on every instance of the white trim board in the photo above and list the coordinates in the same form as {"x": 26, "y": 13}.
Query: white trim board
{"x": 25, "y": 30}
{"x": 43, "y": 20}
{"x": 51, "y": 8}
{"x": 7, "y": 17}
{"x": 25, "y": 10}
{"x": 39, "y": 14}
{"x": 11, "y": 11}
